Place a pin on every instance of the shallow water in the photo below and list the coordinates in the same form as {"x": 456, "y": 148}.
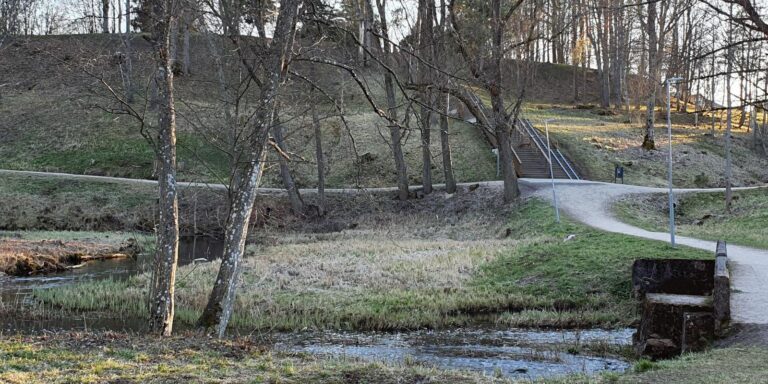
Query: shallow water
{"x": 518, "y": 353}
{"x": 16, "y": 292}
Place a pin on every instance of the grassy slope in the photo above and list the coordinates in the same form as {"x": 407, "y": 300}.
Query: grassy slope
{"x": 57, "y": 123}
{"x": 703, "y": 215}
{"x": 388, "y": 276}
{"x": 597, "y": 143}
{"x": 53, "y": 123}
{"x": 34, "y": 202}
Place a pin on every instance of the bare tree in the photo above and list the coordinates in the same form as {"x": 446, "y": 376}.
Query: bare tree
{"x": 297, "y": 204}
{"x": 382, "y": 29}
{"x": 487, "y": 70}
{"x": 104, "y": 16}
{"x": 444, "y": 101}
{"x": 166, "y": 255}
{"x": 426, "y": 50}
{"x": 221, "y": 301}
{"x": 661, "y": 18}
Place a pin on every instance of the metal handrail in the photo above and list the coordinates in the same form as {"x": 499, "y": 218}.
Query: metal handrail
{"x": 534, "y": 134}
{"x": 540, "y": 143}
{"x": 533, "y": 138}
{"x": 568, "y": 163}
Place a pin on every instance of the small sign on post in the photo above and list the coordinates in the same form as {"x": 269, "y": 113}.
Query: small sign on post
{"x": 618, "y": 174}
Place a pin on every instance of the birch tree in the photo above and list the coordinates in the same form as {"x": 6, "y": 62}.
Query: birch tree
{"x": 166, "y": 254}
{"x": 220, "y": 305}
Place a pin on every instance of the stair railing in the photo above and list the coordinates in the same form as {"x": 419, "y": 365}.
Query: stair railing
{"x": 562, "y": 162}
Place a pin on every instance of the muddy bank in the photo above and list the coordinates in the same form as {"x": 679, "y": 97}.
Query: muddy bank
{"x": 26, "y": 257}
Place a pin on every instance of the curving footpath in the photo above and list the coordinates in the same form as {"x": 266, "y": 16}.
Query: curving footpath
{"x": 590, "y": 203}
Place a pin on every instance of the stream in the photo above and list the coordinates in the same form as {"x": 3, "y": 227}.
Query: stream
{"x": 516, "y": 353}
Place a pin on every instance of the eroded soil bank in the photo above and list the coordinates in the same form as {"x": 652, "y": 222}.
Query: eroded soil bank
{"x": 19, "y": 257}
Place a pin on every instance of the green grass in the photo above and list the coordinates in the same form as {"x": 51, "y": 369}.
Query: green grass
{"x": 370, "y": 281}
{"x": 702, "y": 215}
{"x": 727, "y": 365}
{"x": 133, "y": 157}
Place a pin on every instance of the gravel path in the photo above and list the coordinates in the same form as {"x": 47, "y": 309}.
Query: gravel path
{"x": 590, "y": 203}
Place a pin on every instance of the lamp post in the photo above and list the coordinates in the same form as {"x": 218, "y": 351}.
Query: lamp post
{"x": 551, "y": 171}
{"x": 671, "y": 191}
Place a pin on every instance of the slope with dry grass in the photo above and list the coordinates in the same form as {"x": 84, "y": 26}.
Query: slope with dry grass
{"x": 597, "y": 140}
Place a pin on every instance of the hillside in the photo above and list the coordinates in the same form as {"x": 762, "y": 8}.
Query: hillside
{"x": 55, "y": 115}
{"x": 53, "y": 118}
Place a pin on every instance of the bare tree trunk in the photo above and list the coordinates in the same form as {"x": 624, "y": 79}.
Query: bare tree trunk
{"x": 394, "y": 129}
{"x": 320, "y": 159}
{"x": 221, "y": 301}
{"x": 174, "y": 41}
{"x": 297, "y": 204}
{"x": 729, "y": 120}
{"x": 649, "y": 141}
{"x": 426, "y": 153}
{"x": 450, "y": 181}
{"x": 501, "y": 123}
{"x": 166, "y": 255}
{"x": 712, "y": 102}
{"x": 427, "y": 50}
{"x": 444, "y": 104}
{"x": 575, "y": 54}
{"x": 127, "y": 17}
{"x": 185, "y": 60}
{"x": 104, "y": 16}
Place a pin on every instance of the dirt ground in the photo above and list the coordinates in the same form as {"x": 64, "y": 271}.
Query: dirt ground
{"x": 25, "y": 257}
{"x": 746, "y": 335}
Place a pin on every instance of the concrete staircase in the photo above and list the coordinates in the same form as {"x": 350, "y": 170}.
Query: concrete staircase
{"x": 530, "y": 145}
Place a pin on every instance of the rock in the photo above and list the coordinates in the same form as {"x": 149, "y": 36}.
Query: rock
{"x": 520, "y": 370}
{"x": 660, "y": 348}
{"x": 474, "y": 187}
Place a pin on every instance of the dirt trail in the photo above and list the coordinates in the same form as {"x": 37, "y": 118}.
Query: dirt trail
{"x": 590, "y": 203}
